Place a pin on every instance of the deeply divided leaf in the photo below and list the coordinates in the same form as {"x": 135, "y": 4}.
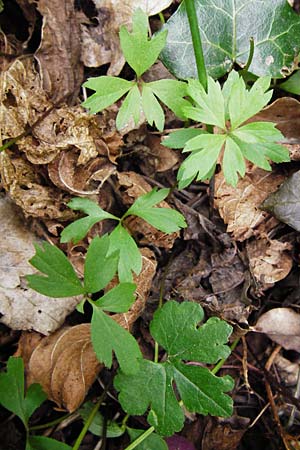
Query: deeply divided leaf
{"x": 60, "y": 279}
{"x": 119, "y": 299}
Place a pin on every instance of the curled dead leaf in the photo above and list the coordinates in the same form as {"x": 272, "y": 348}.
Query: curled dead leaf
{"x": 240, "y": 206}
{"x": 269, "y": 260}
{"x": 282, "y": 325}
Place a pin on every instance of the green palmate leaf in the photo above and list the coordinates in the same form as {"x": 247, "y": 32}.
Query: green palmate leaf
{"x": 256, "y": 132}
{"x": 175, "y": 327}
{"x": 210, "y": 107}
{"x": 99, "y": 269}
{"x": 45, "y": 443}
{"x": 12, "y": 395}
{"x": 154, "y": 441}
{"x": 201, "y": 163}
{"x": 233, "y": 162}
{"x": 274, "y": 27}
{"x": 118, "y": 299}
{"x": 130, "y": 258}
{"x": 292, "y": 85}
{"x": 108, "y": 336}
{"x": 171, "y": 93}
{"x": 113, "y": 430}
{"x": 108, "y": 91}
{"x": 141, "y": 52}
{"x": 152, "y": 109}
{"x": 131, "y": 107}
{"x": 78, "y": 229}
{"x": 178, "y": 138}
{"x": 164, "y": 219}
{"x": 60, "y": 280}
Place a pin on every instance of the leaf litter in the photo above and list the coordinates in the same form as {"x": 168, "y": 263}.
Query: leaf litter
{"x": 64, "y": 152}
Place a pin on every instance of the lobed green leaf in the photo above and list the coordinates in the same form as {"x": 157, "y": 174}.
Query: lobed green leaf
{"x": 119, "y": 299}
{"x": 131, "y": 107}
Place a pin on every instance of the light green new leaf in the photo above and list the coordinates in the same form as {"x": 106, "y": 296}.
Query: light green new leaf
{"x": 210, "y": 107}
{"x": 79, "y": 228}
{"x": 139, "y": 51}
{"x": 130, "y": 258}
{"x": 152, "y": 109}
{"x": 171, "y": 93}
{"x": 60, "y": 280}
{"x": 131, "y": 107}
{"x": 175, "y": 327}
{"x": 108, "y": 91}
{"x": 178, "y": 139}
{"x": 118, "y": 299}
{"x": 258, "y": 132}
{"x": 45, "y": 443}
{"x": 164, "y": 219}
{"x": 12, "y": 395}
{"x": 275, "y": 152}
{"x": 108, "y": 336}
{"x": 99, "y": 269}
{"x": 233, "y": 162}
{"x": 154, "y": 441}
{"x": 254, "y": 153}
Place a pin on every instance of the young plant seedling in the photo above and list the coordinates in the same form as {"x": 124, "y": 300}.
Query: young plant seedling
{"x": 141, "y": 52}
{"x": 227, "y": 109}
{"x": 13, "y": 398}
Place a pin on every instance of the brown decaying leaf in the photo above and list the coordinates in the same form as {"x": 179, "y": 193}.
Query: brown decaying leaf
{"x": 269, "y": 260}
{"x": 133, "y": 186}
{"x": 22, "y": 308}
{"x": 224, "y": 434}
{"x": 282, "y": 325}
{"x": 287, "y": 370}
{"x": 65, "y": 363}
{"x": 101, "y": 44}
{"x": 239, "y": 206}
{"x": 59, "y": 51}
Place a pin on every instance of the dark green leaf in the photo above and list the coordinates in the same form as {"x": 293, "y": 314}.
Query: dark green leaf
{"x": 118, "y": 299}
{"x": 292, "y": 85}
{"x": 226, "y": 28}
{"x": 108, "y": 91}
{"x": 130, "y": 258}
{"x": 139, "y": 51}
{"x": 45, "y": 443}
{"x": 284, "y": 204}
{"x": 108, "y": 336}
{"x": 171, "y": 93}
{"x": 164, "y": 219}
{"x": 152, "y": 442}
{"x": 99, "y": 269}
{"x": 60, "y": 280}
{"x": 78, "y": 229}
{"x": 178, "y": 138}
{"x": 152, "y": 109}
{"x": 113, "y": 430}
{"x": 131, "y": 107}
{"x": 12, "y": 395}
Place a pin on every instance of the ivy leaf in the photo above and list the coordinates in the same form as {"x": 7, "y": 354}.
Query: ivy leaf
{"x": 108, "y": 91}
{"x": 164, "y": 219}
{"x": 274, "y": 27}
{"x": 131, "y": 107}
{"x": 78, "y": 229}
{"x": 108, "y": 336}
{"x": 12, "y": 395}
{"x": 99, "y": 269}
{"x": 118, "y": 299}
{"x": 139, "y": 51}
{"x": 130, "y": 258}
{"x": 45, "y": 443}
{"x": 175, "y": 327}
{"x": 60, "y": 280}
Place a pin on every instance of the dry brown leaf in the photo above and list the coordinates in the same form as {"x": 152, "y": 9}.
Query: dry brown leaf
{"x": 101, "y": 44}
{"x": 224, "y": 434}
{"x": 156, "y": 157}
{"x": 269, "y": 261}
{"x": 239, "y": 206}
{"x": 287, "y": 370}
{"x": 21, "y": 307}
{"x": 133, "y": 186}
{"x": 59, "y": 51}
{"x": 282, "y": 325}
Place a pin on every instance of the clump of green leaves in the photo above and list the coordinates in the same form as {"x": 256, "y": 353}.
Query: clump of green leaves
{"x": 227, "y": 109}
{"x": 175, "y": 328}
{"x": 140, "y": 52}
{"x": 14, "y": 399}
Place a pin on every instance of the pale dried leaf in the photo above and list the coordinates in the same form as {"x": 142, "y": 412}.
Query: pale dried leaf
{"x": 282, "y": 325}
{"x": 269, "y": 260}
{"x": 240, "y": 206}
{"x": 101, "y": 44}
{"x": 287, "y": 370}
{"x": 21, "y": 307}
